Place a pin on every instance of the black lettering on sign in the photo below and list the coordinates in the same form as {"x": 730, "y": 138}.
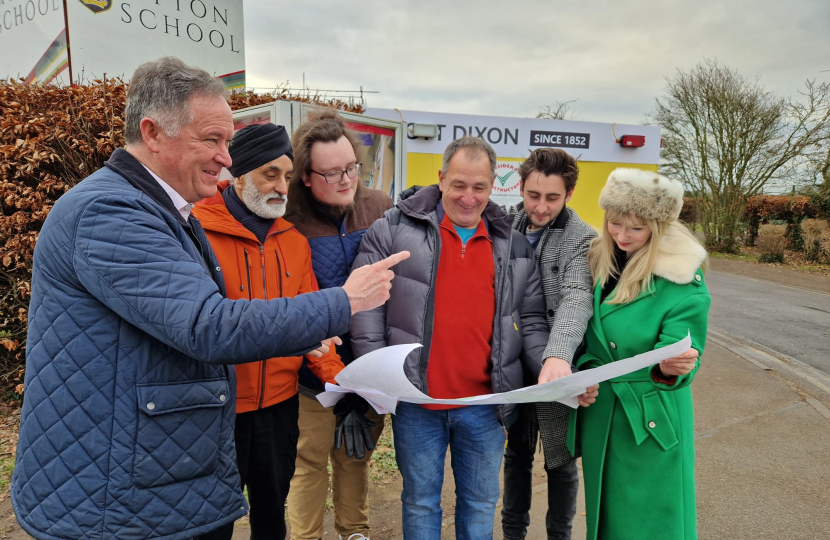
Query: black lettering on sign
{"x": 194, "y": 10}
{"x": 144, "y": 24}
{"x": 129, "y": 18}
{"x": 168, "y": 26}
{"x": 192, "y": 36}
{"x": 557, "y": 139}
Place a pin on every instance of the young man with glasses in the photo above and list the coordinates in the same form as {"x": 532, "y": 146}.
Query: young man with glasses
{"x": 329, "y": 206}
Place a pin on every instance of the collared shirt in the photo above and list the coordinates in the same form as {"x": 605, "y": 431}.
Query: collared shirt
{"x": 179, "y": 203}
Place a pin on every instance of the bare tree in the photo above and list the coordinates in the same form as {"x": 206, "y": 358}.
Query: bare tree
{"x": 819, "y": 168}
{"x": 726, "y": 137}
{"x": 562, "y": 111}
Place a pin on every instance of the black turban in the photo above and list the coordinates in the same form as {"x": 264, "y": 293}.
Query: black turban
{"x": 255, "y": 145}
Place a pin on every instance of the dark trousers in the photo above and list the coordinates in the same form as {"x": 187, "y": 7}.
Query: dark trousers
{"x": 266, "y": 449}
{"x": 563, "y": 486}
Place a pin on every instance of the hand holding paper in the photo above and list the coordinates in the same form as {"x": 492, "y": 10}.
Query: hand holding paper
{"x": 379, "y": 377}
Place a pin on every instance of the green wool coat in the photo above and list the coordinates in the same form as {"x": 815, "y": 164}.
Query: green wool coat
{"x": 638, "y": 438}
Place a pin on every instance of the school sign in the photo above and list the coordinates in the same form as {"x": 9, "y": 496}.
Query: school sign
{"x": 80, "y": 40}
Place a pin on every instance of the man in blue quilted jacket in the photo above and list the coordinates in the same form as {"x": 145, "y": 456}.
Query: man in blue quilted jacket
{"x": 127, "y": 427}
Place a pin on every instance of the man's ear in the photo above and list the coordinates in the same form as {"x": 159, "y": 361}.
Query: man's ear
{"x": 150, "y": 133}
{"x": 441, "y": 180}
{"x": 568, "y": 195}
{"x": 306, "y": 180}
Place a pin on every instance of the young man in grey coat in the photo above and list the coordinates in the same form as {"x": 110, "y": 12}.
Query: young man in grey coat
{"x": 561, "y": 241}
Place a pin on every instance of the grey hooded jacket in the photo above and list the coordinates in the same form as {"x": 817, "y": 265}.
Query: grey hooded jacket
{"x": 520, "y": 332}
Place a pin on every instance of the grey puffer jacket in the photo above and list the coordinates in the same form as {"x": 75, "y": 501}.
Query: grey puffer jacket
{"x": 520, "y": 332}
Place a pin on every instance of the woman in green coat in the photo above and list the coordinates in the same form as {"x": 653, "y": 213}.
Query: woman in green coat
{"x": 638, "y": 437}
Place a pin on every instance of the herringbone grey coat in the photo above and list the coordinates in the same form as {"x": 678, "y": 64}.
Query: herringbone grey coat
{"x": 567, "y": 285}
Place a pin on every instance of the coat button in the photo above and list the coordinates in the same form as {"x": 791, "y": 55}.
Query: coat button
{"x": 652, "y": 425}
{"x": 218, "y": 269}
{"x": 697, "y": 278}
{"x": 613, "y": 345}
{"x": 222, "y": 398}
{"x": 550, "y": 313}
{"x": 343, "y": 235}
{"x": 151, "y": 406}
{"x": 555, "y": 268}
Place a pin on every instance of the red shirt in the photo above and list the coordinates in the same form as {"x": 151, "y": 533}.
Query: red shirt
{"x": 465, "y": 306}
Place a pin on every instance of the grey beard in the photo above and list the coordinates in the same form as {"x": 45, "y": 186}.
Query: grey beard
{"x": 258, "y": 203}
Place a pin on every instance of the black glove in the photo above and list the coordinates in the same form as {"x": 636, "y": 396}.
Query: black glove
{"x": 353, "y": 426}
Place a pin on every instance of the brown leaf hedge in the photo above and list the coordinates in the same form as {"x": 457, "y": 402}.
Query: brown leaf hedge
{"x": 51, "y": 138}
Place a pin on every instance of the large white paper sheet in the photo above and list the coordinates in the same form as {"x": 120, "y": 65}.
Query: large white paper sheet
{"x": 379, "y": 378}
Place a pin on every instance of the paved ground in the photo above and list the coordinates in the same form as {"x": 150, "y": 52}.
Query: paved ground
{"x": 784, "y": 316}
{"x": 763, "y": 457}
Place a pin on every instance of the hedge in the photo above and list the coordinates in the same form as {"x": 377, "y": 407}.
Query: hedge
{"x": 52, "y": 137}
{"x": 791, "y": 210}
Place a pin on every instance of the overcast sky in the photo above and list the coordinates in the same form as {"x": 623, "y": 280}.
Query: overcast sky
{"x": 510, "y": 58}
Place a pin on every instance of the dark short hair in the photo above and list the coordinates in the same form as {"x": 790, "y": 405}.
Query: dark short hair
{"x": 473, "y": 146}
{"x": 549, "y": 161}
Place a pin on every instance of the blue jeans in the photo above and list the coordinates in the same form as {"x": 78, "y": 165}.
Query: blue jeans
{"x": 476, "y": 441}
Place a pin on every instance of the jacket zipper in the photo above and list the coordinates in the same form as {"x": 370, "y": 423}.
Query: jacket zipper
{"x": 497, "y": 328}
{"x": 248, "y": 273}
{"x": 264, "y": 294}
{"x": 435, "y": 235}
{"x": 279, "y": 270}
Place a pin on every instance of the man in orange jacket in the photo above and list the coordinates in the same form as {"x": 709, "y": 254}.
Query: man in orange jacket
{"x": 263, "y": 256}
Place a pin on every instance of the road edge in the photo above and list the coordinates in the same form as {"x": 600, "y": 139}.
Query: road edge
{"x": 808, "y": 378}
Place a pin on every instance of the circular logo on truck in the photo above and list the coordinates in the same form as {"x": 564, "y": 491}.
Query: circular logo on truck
{"x": 507, "y": 179}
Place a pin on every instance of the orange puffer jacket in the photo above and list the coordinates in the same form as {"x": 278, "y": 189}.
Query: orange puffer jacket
{"x": 279, "y": 268}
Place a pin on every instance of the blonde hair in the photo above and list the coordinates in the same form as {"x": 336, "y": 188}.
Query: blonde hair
{"x": 637, "y": 276}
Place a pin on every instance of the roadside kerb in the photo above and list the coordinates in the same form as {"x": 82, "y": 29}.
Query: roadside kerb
{"x": 806, "y": 377}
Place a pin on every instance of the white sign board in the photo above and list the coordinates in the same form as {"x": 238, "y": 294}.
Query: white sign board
{"x": 516, "y": 137}
{"x": 114, "y": 38}
{"x": 33, "y": 40}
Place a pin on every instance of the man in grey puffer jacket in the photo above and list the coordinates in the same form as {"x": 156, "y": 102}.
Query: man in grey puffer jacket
{"x": 471, "y": 295}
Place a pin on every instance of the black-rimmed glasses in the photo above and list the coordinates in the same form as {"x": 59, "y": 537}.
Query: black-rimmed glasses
{"x": 334, "y": 177}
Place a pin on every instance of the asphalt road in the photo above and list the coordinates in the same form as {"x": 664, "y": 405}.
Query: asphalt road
{"x": 789, "y": 320}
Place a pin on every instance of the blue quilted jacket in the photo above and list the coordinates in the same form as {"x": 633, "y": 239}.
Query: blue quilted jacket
{"x": 127, "y": 428}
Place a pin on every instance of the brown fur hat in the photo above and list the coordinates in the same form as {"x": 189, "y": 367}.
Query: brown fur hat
{"x": 645, "y": 194}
